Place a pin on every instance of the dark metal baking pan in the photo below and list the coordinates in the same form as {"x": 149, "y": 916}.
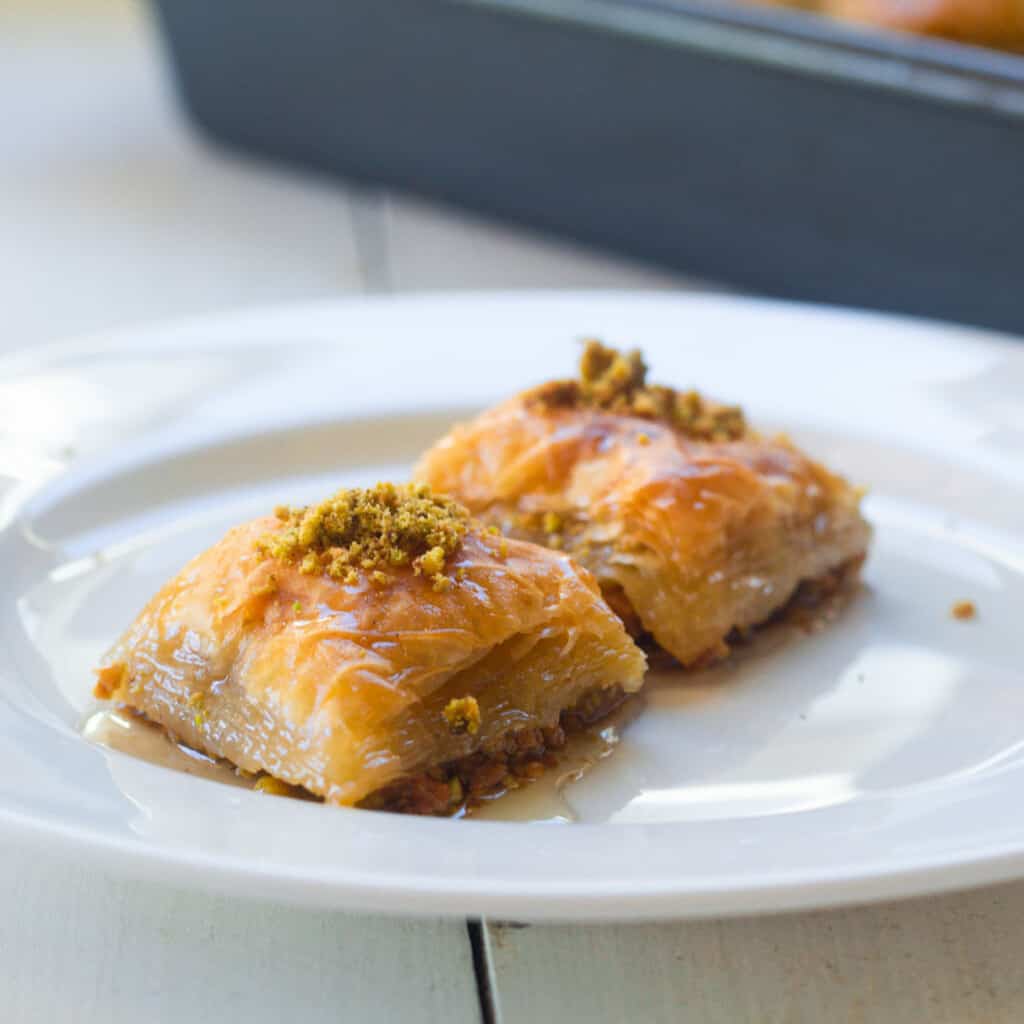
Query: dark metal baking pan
{"x": 787, "y": 155}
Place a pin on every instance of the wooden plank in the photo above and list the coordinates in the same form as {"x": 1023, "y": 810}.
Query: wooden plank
{"x": 116, "y": 210}
{"x": 441, "y": 247}
{"x": 950, "y": 959}
{"x": 81, "y": 947}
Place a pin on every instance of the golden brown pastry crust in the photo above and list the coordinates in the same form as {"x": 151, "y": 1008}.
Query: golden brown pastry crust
{"x": 691, "y": 538}
{"x": 995, "y": 23}
{"x": 341, "y": 687}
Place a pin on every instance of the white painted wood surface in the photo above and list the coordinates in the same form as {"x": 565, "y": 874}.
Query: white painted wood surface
{"x": 429, "y": 247}
{"x": 113, "y": 213}
{"x": 954, "y": 959}
{"x": 81, "y": 947}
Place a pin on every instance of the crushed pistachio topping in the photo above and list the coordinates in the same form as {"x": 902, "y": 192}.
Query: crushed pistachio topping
{"x": 267, "y": 589}
{"x": 273, "y": 787}
{"x": 371, "y": 530}
{"x": 617, "y": 381}
{"x": 552, "y": 522}
{"x": 455, "y": 791}
{"x": 197, "y": 701}
{"x": 463, "y": 715}
{"x": 433, "y": 561}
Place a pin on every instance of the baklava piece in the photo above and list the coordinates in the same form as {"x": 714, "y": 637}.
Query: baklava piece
{"x": 379, "y": 648}
{"x": 694, "y": 525}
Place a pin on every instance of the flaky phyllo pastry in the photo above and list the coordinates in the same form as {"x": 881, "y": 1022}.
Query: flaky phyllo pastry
{"x": 695, "y": 526}
{"x": 379, "y": 648}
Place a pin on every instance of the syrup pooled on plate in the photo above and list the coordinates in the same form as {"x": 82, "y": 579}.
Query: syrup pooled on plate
{"x": 120, "y": 730}
{"x": 524, "y": 799}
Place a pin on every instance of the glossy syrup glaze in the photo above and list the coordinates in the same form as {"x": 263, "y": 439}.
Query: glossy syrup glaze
{"x": 128, "y": 733}
{"x": 537, "y": 800}
{"x": 542, "y": 799}
{"x": 694, "y": 539}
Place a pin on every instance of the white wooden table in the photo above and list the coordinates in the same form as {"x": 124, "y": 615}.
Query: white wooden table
{"x": 110, "y": 212}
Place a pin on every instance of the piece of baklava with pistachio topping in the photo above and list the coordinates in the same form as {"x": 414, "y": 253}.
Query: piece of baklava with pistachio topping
{"x": 381, "y": 648}
{"x": 696, "y": 526}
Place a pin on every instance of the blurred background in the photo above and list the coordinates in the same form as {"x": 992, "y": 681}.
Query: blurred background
{"x": 115, "y": 211}
{"x": 864, "y": 152}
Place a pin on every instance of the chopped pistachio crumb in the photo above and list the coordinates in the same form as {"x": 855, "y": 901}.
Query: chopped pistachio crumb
{"x": 552, "y": 522}
{"x": 297, "y": 607}
{"x": 197, "y": 700}
{"x": 370, "y": 529}
{"x": 274, "y": 787}
{"x": 463, "y": 715}
{"x": 964, "y": 610}
{"x": 268, "y": 588}
{"x": 432, "y": 562}
{"x": 617, "y": 382}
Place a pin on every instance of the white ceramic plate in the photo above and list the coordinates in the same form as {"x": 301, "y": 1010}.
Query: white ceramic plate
{"x": 881, "y": 756}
